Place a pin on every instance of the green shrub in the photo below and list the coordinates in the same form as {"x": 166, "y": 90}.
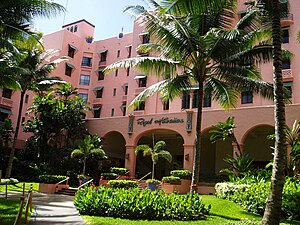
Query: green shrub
{"x": 252, "y": 197}
{"x": 136, "y": 204}
{"x": 153, "y": 181}
{"x": 10, "y": 181}
{"x": 123, "y": 184}
{"x": 182, "y": 174}
{"x": 171, "y": 180}
{"x": 119, "y": 171}
{"x": 51, "y": 179}
{"x": 109, "y": 176}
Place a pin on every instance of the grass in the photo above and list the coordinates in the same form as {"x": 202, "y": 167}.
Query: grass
{"x": 8, "y": 211}
{"x": 19, "y": 187}
{"x": 222, "y": 212}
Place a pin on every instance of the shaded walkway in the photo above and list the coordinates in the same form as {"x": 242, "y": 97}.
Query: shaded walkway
{"x": 53, "y": 209}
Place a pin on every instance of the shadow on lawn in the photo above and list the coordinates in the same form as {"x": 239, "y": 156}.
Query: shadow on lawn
{"x": 224, "y": 217}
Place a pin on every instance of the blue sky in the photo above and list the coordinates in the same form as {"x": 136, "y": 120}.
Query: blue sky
{"x": 106, "y": 15}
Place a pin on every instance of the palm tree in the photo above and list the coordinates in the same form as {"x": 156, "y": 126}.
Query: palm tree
{"x": 201, "y": 49}
{"x": 33, "y": 67}
{"x": 88, "y": 147}
{"x": 156, "y": 152}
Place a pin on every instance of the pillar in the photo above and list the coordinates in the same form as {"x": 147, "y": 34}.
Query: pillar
{"x": 130, "y": 159}
{"x": 188, "y": 157}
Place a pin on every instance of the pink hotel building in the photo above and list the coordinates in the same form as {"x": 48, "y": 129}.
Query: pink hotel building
{"x": 122, "y": 130}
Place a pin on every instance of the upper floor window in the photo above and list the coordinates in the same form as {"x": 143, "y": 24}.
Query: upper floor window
{"x": 206, "y": 100}
{"x": 166, "y": 105}
{"x": 69, "y": 68}
{"x": 84, "y": 80}
{"x": 143, "y": 82}
{"x": 123, "y": 108}
{"x": 288, "y": 86}
{"x": 125, "y": 89}
{"x": 116, "y": 73}
{"x": 6, "y": 93}
{"x": 185, "y": 101}
{"x": 84, "y": 96}
{"x": 141, "y": 106}
{"x": 71, "y": 50}
{"x": 286, "y": 64}
{"x": 118, "y": 53}
{"x": 115, "y": 92}
{"x": 247, "y": 97}
{"x": 26, "y": 98}
{"x": 86, "y": 61}
{"x": 127, "y": 71}
{"x": 100, "y": 75}
{"x": 103, "y": 55}
{"x": 99, "y": 91}
{"x": 75, "y": 28}
{"x": 145, "y": 37}
{"x": 97, "y": 111}
{"x": 129, "y": 49}
{"x": 112, "y": 112}
{"x": 285, "y": 35}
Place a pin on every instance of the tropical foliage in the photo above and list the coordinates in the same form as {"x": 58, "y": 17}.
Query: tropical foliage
{"x": 197, "y": 48}
{"x": 88, "y": 147}
{"x": 136, "y": 204}
{"x": 158, "y": 151}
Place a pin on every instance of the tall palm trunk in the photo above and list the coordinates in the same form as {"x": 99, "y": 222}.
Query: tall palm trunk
{"x": 273, "y": 207}
{"x": 13, "y": 148}
{"x": 153, "y": 170}
{"x": 197, "y": 149}
{"x": 84, "y": 165}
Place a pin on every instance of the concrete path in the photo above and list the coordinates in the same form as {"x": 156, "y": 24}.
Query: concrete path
{"x": 53, "y": 209}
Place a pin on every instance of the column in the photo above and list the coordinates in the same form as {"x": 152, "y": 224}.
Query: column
{"x": 188, "y": 157}
{"x": 130, "y": 159}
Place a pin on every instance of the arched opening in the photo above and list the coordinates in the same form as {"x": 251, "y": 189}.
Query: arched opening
{"x": 212, "y": 156}
{"x": 174, "y": 142}
{"x": 259, "y": 146}
{"x": 114, "y": 147}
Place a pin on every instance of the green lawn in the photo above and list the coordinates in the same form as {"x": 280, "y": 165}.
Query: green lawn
{"x": 222, "y": 212}
{"x": 8, "y": 211}
{"x": 19, "y": 187}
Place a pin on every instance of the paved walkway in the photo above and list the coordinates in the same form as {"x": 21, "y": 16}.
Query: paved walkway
{"x": 54, "y": 209}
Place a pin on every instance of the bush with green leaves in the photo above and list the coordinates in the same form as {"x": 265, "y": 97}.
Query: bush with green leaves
{"x": 253, "y": 196}
{"x": 171, "y": 180}
{"x": 51, "y": 179}
{"x": 182, "y": 174}
{"x": 153, "y": 181}
{"x": 119, "y": 171}
{"x": 123, "y": 184}
{"x": 109, "y": 176}
{"x": 136, "y": 204}
{"x": 9, "y": 181}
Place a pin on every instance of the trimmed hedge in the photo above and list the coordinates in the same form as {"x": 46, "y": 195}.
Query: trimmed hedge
{"x": 171, "y": 180}
{"x": 182, "y": 174}
{"x": 252, "y": 197}
{"x": 119, "y": 171}
{"x": 136, "y": 204}
{"x": 51, "y": 179}
{"x": 109, "y": 176}
{"x": 123, "y": 184}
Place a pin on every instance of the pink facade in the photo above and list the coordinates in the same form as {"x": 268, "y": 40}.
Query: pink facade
{"x": 122, "y": 129}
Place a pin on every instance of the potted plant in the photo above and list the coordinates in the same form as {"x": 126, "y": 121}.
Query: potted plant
{"x": 170, "y": 184}
{"x": 185, "y": 180}
{"x": 152, "y": 184}
{"x": 89, "y": 39}
{"x": 83, "y": 178}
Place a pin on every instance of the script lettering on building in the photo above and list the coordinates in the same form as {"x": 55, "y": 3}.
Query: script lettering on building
{"x": 164, "y": 120}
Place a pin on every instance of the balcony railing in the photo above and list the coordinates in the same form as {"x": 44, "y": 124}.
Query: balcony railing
{"x": 97, "y": 101}
{"x": 287, "y": 74}
{"x": 6, "y": 102}
{"x": 287, "y": 16}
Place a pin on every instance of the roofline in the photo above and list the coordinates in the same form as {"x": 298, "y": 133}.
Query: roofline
{"x": 83, "y": 20}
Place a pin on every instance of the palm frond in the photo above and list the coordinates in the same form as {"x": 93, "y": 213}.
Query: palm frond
{"x": 76, "y": 153}
{"x": 160, "y": 145}
{"x": 165, "y": 154}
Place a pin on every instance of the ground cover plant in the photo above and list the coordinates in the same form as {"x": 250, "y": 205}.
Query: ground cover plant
{"x": 8, "y": 211}
{"x": 136, "y": 204}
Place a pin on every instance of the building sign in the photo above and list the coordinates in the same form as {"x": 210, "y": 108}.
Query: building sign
{"x": 163, "y": 120}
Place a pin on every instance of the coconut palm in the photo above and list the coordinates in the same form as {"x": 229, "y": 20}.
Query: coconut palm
{"x": 201, "y": 49}
{"x": 158, "y": 151}
{"x": 33, "y": 67}
{"x": 87, "y": 147}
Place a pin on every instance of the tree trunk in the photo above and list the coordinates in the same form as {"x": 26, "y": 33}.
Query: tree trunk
{"x": 84, "y": 163}
{"x": 273, "y": 208}
{"x": 197, "y": 149}
{"x": 13, "y": 148}
{"x": 153, "y": 169}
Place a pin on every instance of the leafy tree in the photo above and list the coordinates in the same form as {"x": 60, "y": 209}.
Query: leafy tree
{"x": 158, "y": 150}
{"x": 33, "y": 68}
{"x": 196, "y": 47}
{"x": 56, "y": 122}
{"x": 87, "y": 147}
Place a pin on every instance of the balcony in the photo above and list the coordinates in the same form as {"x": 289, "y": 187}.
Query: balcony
{"x": 286, "y": 19}
{"x": 124, "y": 98}
{"x": 287, "y": 75}
{"x": 102, "y": 63}
{"x": 97, "y": 101}
{"x": 6, "y": 102}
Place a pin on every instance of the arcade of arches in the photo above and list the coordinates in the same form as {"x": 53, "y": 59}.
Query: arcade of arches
{"x": 255, "y": 142}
